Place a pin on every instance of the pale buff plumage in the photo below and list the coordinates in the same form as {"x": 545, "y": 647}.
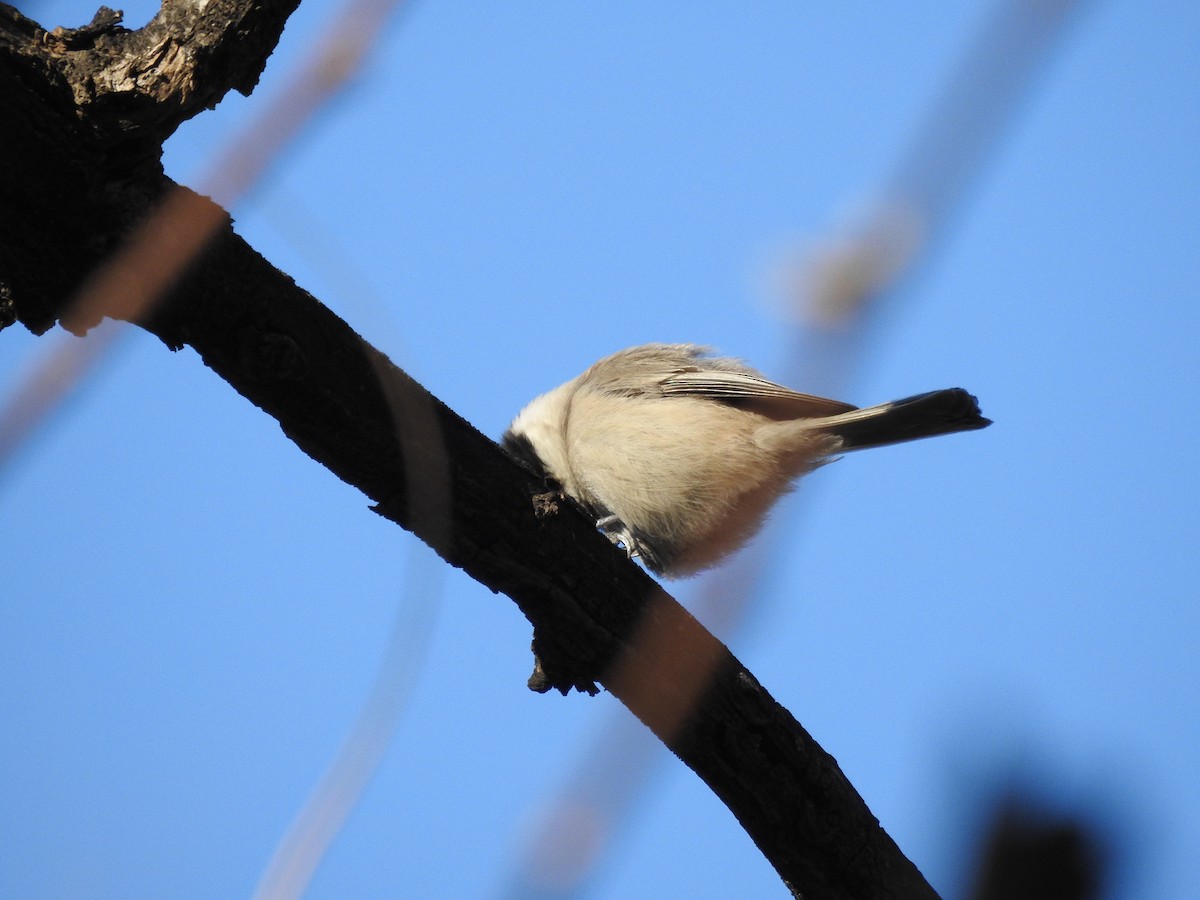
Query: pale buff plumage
{"x": 679, "y": 455}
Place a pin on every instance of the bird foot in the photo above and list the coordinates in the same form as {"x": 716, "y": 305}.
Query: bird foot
{"x": 617, "y": 532}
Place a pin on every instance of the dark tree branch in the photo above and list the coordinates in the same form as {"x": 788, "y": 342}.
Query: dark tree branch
{"x": 101, "y": 100}
{"x": 132, "y": 89}
{"x": 69, "y": 196}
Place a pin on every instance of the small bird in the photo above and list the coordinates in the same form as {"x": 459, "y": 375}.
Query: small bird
{"x": 679, "y": 454}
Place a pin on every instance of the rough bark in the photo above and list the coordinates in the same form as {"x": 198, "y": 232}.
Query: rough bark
{"x": 79, "y": 168}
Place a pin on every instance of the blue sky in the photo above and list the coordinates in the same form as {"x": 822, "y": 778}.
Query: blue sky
{"x": 195, "y": 610}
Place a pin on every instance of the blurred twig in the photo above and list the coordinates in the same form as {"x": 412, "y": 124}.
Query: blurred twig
{"x": 835, "y": 290}
{"x": 140, "y": 271}
{"x": 303, "y": 846}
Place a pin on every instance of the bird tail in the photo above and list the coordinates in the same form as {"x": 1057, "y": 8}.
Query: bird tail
{"x": 921, "y": 416}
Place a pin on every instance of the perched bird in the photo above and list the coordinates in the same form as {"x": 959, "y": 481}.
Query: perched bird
{"x": 679, "y": 455}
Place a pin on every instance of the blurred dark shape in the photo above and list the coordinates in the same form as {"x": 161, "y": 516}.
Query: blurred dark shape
{"x": 1032, "y": 854}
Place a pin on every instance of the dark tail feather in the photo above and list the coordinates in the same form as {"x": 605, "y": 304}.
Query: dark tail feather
{"x": 922, "y": 416}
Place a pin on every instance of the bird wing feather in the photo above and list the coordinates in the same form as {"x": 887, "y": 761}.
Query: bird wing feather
{"x": 687, "y": 370}
{"x": 755, "y": 392}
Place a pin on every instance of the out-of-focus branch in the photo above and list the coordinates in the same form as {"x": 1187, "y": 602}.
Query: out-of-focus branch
{"x": 849, "y": 275}
{"x": 596, "y": 617}
{"x": 833, "y": 289}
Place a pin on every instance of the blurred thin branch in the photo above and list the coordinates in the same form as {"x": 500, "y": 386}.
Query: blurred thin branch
{"x": 834, "y": 291}
{"x": 145, "y": 265}
{"x": 861, "y": 266}
{"x": 302, "y": 848}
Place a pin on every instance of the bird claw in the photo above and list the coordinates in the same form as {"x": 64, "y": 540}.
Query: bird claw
{"x": 618, "y": 532}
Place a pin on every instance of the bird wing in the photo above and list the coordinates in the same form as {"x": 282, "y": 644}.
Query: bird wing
{"x": 750, "y": 391}
{"x": 688, "y": 370}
